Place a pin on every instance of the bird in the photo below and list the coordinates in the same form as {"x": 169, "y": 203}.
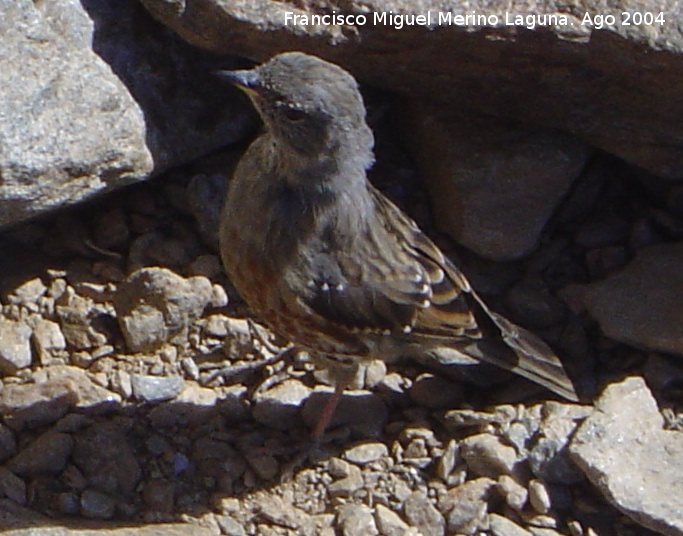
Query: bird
{"x": 330, "y": 263}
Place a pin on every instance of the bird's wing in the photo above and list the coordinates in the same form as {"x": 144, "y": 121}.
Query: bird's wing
{"x": 444, "y": 308}
{"x": 453, "y": 298}
{"x": 392, "y": 280}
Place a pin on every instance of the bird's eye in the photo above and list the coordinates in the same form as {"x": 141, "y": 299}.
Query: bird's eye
{"x": 294, "y": 115}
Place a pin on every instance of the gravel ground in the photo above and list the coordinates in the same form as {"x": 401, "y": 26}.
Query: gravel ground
{"x": 136, "y": 391}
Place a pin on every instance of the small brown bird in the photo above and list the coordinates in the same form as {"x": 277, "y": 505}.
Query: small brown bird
{"x": 331, "y": 264}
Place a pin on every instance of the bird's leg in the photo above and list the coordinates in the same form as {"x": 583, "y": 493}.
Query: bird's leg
{"x": 328, "y": 411}
{"x": 310, "y": 446}
{"x": 342, "y": 373}
{"x": 237, "y": 373}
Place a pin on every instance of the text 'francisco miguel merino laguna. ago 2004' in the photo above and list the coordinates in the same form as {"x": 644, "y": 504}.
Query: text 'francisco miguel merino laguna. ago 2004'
{"x": 473, "y": 19}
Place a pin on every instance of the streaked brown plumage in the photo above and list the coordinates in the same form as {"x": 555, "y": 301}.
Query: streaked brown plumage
{"x": 329, "y": 262}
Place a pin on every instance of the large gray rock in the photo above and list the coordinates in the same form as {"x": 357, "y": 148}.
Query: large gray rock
{"x": 625, "y": 452}
{"x": 642, "y": 304}
{"x": 494, "y": 184}
{"x": 87, "y": 104}
{"x": 602, "y": 85}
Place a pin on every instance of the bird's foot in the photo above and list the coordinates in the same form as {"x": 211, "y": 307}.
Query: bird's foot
{"x": 238, "y": 373}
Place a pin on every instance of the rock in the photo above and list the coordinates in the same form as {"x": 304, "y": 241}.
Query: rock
{"x": 15, "y": 346}
{"x": 120, "y": 383}
{"x": 97, "y": 127}
{"x": 211, "y": 454}
{"x": 47, "y": 339}
{"x": 389, "y": 523}
{"x": 422, "y": 514}
{"x": 435, "y": 392}
{"x": 28, "y": 292}
{"x": 530, "y": 303}
{"x": 190, "y": 368}
{"x": 375, "y": 372}
{"x": 89, "y": 396}
{"x": 217, "y": 326}
{"x": 349, "y": 479}
{"x": 514, "y": 493}
{"x": 8, "y": 443}
{"x": 34, "y": 405}
{"x": 365, "y": 453}
{"x": 233, "y": 403}
{"x": 634, "y": 307}
{"x": 467, "y": 505}
{"x": 219, "y": 296}
{"x": 73, "y": 126}
{"x": 465, "y": 418}
{"x": 229, "y": 526}
{"x": 12, "y": 487}
{"x": 645, "y": 484}
{"x": 485, "y": 455}
{"x": 280, "y": 406}
{"x": 493, "y": 184}
{"x": 356, "y": 520}
{"x": 448, "y": 461}
{"x": 501, "y": 526}
{"x": 539, "y": 497}
{"x": 518, "y": 435}
{"x": 97, "y": 505}
{"x": 107, "y": 459}
{"x": 111, "y": 228}
{"x": 207, "y": 265}
{"x": 158, "y": 495}
{"x": 275, "y": 510}
{"x": 640, "y": 64}
{"x": 664, "y": 374}
{"x": 265, "y": 466}
{"x": 47, "y": 455}
{"x": 207, "y": 186}
{"x": 155, "y": 305}
{"x": 144, "y": 328}
{"x": 416, "y": 452}
{"x": 76, "y": 316}
{"x": 363, "y": 412}
{"x": 239, "y": 340}
{"x": 193, "y": 406}
{"x": 339, "y": 468}
{"x": 156, "y": 388}
{"x": 549, "y": 456}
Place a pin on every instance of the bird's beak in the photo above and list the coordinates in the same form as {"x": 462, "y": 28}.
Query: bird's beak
{"x": 247, "y": 81}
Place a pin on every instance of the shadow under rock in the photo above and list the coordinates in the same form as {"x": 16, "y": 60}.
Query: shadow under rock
{"x": 188, "y": 110}
{"x": 136, "y": 464}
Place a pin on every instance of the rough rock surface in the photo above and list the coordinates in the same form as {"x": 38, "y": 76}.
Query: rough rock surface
{"x": 463, "y": 159}
{"x": 624, "y": 78}
{"x": 155, "y": 305}
{"x": 641, "y": 304}
{"x": 78, "y": 117}
{"x": 652, "y": 493}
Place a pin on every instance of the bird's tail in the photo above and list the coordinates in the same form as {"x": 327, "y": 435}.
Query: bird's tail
{"x": 502, "y": 344}
{"x": 535, "y": 360}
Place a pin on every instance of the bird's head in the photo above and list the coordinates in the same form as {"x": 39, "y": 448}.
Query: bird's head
{"x": 309, "y": 104}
